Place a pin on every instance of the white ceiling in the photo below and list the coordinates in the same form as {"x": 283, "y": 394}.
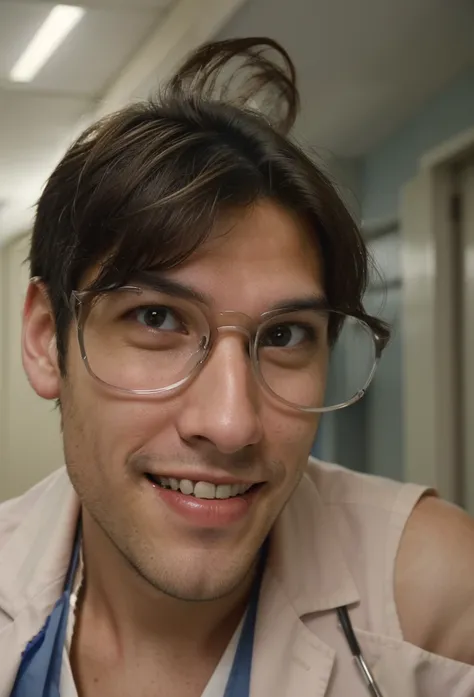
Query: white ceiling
{"x": 118, "y": 51}
{"x": 37, "y": 119}
{"x": 364, "y": 67}
{"x": 110, "y": 37}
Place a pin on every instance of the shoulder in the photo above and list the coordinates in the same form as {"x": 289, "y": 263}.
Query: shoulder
{"x": 339, "y": 485}
{"x": 14, "y": 511}
{"x": 434, "y": 579}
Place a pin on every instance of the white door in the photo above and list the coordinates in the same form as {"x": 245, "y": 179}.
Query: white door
{"x": 466, "y": 215}
{"x": 438, "y": 318}
{"x": 430, "y": 401}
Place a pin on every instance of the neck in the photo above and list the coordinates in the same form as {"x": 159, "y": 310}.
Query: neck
{"x": 126, "y": 608}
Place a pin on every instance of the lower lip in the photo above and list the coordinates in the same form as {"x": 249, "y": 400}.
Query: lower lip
{"x": 207, "y": 513}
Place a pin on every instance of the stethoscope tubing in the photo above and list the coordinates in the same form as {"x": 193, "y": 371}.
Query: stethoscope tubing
{"x": 356, "y": 651}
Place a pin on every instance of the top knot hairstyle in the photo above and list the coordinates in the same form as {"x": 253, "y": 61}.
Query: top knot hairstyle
{"x": 142, "y": 188}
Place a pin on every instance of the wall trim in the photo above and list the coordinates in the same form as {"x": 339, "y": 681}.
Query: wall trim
{"x": 449, "y": 151}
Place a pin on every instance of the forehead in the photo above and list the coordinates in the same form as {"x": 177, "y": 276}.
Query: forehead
{"x": 255, "y": 258}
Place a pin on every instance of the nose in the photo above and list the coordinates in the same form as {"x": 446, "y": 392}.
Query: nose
{"x": 221, "y": 406}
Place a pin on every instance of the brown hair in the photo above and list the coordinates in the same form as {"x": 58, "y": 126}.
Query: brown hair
{"x": 142, "y": 187}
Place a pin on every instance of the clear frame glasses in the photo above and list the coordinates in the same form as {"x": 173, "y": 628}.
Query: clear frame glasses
{"x": 141, "y": 341}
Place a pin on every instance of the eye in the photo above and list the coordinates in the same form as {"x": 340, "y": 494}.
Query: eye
{"x": 287, "y": 336}
{"x": 158, "y": 317}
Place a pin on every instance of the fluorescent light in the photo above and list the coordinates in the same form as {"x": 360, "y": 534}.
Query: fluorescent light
{"x": 60, "y": 21}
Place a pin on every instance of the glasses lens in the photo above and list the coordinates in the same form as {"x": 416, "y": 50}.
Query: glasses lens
{"x": 316, "y": 359}
{"x": 138, "y": 339}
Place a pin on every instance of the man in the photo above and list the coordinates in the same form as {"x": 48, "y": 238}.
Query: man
{"x": 192, "y": 273}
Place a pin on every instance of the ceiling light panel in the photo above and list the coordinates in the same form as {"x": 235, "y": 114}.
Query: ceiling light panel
{"x": 59, "y": 23}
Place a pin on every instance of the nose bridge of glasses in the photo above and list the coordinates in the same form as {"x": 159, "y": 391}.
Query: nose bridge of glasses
{"x": 235, "y": 321}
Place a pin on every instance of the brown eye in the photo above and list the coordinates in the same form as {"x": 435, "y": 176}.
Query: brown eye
{"x": 287, "y": 336}
{"x": 158, "y": 318}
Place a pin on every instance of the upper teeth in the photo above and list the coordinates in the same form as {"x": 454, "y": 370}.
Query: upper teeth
{"x": 204, "y": 490}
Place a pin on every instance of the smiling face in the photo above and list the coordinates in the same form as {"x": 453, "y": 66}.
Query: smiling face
{"x": 223, "y": 429}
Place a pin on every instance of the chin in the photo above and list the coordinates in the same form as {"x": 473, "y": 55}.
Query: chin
{"x": 193, "y": 588}
{"x": 198, "y": 576}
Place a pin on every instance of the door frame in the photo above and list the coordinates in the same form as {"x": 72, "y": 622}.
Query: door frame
{"x": 432, "y": 447}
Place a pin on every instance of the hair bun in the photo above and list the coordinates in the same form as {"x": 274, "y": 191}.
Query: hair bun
{"x": 240, "y": 72}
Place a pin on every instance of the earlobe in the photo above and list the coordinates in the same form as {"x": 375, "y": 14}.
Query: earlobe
{"x": 39, "y": 351}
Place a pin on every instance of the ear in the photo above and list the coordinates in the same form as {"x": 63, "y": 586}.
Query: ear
{"x": 39, "y": 351}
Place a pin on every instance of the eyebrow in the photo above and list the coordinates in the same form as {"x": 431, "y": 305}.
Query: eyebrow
{"x": 316, "y": 301}
{"x": 163, "y": 284}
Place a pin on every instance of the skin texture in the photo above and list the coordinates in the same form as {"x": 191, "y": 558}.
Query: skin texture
{"x": 159, "y": 594}
{"x": 433, "y": 580}
{"x": 140, "y": 559}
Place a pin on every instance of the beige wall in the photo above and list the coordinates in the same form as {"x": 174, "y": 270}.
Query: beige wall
{"x": 30, "y": 442}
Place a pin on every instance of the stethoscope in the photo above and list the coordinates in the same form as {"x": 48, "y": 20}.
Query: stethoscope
{"x": 356, "y": 651}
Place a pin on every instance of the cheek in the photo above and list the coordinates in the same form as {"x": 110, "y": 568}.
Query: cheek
{"x": 289, "y": 439}
{"x": 105, "y": 425}
{"x": 102, "y": 430}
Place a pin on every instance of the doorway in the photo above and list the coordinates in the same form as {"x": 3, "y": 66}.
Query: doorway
{"x": 437, "y": 224}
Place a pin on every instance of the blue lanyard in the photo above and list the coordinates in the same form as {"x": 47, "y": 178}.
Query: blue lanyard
{"x": 238, "y": 684}
{"x": 39, "y": 674}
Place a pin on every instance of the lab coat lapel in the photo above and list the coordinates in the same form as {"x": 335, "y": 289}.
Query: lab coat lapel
{"x": 306, "y": 574}
{"x": 33, "y": 564}
{"x": 289, "y": 660}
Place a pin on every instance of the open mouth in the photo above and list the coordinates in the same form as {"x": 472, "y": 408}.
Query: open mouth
{"x": 202, "y": 490}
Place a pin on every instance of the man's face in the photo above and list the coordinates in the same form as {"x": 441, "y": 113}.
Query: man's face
{"x": 221, "y": 428}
